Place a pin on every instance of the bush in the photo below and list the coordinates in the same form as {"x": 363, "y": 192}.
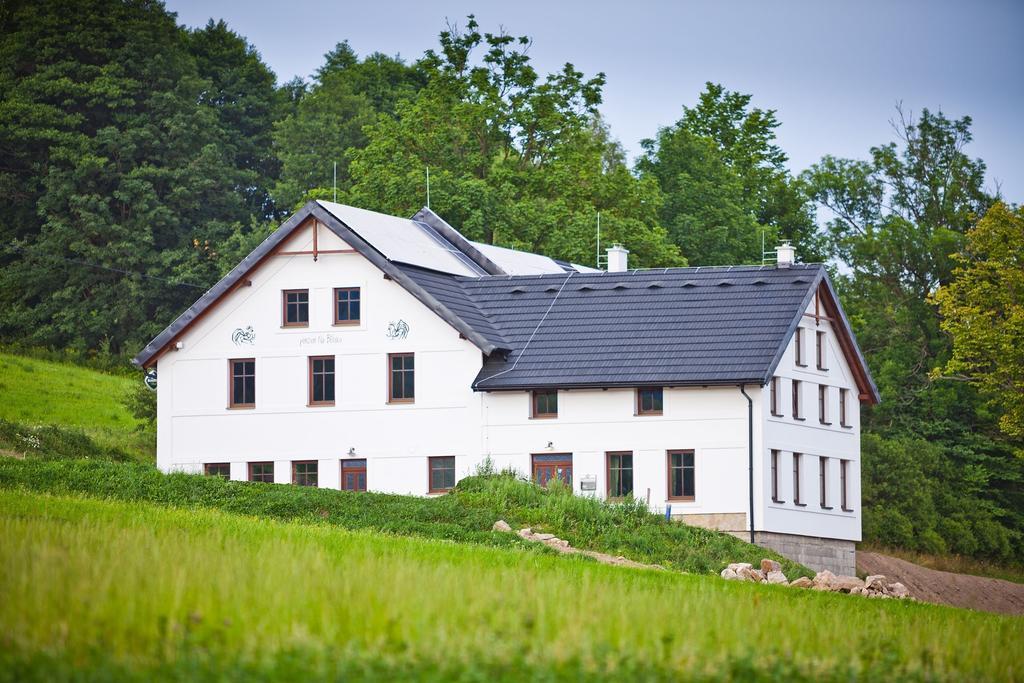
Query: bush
{"x": 50, "y": 442}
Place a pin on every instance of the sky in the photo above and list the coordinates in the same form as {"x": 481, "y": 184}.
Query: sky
{"x": 834, "y": 71}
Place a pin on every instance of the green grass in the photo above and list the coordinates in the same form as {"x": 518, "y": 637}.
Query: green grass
{"x": 78, "y": 400}
{"x": 103, "y": 590}
{"x": 465, "y": 515}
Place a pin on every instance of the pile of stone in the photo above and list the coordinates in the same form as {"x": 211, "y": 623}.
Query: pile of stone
{"x": 563, "y": 546}
{"x": 876, "y": 586}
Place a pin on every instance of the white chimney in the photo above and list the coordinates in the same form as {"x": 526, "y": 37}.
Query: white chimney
{"x": 618, "y": 259}
{"x": 786, "y": 255}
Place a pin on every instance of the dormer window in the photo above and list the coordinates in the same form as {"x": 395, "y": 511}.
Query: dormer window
{"x": 295, "y": 305}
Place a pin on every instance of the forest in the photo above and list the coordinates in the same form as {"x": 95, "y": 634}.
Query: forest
{"x": 140, "y": 160}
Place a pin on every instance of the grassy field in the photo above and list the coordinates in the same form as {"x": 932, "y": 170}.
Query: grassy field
{"x": 75, "y": 399}
{"x": 100, "y": 590}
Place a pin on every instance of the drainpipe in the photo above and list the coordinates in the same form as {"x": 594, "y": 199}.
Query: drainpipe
{"x": 750, "y": 455}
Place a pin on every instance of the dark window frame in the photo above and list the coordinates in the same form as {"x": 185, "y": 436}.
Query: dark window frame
{"x": 312, "y": 401}
{"x": 823, "y": 483}
{"x": 208, "y": 468}
{"x": 844, "y": 481}
{"x": 823, "y": 404}
{"x": 548, "y": 394}
{"x": 658, "y": 397}
{"x": 608, "y": 473}
{"x": 775, "y": 455}
{"x": 799, "y": 345}
{"x": 316, "y": 473}
{"x": 392, "y": 398}
{"x": 431, "y": 469}
{"x": 298, "y": 307}
{"x": 682, "y": 453}
{"x": 820, "y": 350}
{"x": 774, "y": 397}
{"x": 843, "y": 421}
{"x": 232, "y": 403}
{"x": 349, "y": 321}
{"x": 251, "y": 476}
{"x": 796, "y": 386}
{"x": 798, "y": 460}
{"x": 352, "y": 467}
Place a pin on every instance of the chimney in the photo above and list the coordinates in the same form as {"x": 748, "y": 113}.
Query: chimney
{"x": 786, "y": 255}
{"x": 618, "y": 259}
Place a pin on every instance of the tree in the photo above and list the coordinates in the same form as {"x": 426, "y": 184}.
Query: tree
{"x": 514, "y": 160}
{"x": 725, "y": 182}
{"x": 983, "y": 311}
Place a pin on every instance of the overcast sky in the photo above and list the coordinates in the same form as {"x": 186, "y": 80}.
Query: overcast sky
{"x": 833, "y": 70}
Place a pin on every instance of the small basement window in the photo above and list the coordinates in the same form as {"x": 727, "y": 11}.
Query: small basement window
{"x": 295, "y": 305}
{"x": 261, "y": 471}
{"x": 441, "y": 473}
{"x": 347, "y": 306}
{"x": 217, "y": 469}
{"x": 305, "y": 473}
{"x": 649, "y": 401}
{"x": 544, "y": 403}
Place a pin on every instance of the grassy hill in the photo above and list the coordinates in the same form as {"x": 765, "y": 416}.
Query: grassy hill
{"x": 68, "y": 402}
{"x": 130, "y": 591}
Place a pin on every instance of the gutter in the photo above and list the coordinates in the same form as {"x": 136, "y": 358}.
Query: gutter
{"x": 750, "y": 456}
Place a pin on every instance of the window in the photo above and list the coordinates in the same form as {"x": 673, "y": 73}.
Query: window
{"x": 649, "y": 401}
{"x": 217, "y": 469}
{"x": 821, "y": 349}
{"x": 321, "y": 381}
{"x": 823, "y": 404}
{"x": 304, "y": 473}
{"x": 620, "y": 474}
{"x": 346, "y": 306}
{"x": 823, "y": 482}
{"x": 775, "y": 397}
{"x": 842, "y": 407}
{"x": 844, "y": 467}
{"x": 441, "y": 474}
{"x": 682, "y": 482}
{"x": 798, "y": 459}
{"x": 796, "y": 400}
{"x": 401, "y": 378}
{"x": 243, "y": 382}
{"x": 295, "y": 303}
{"x": 353, "y": 475}
{"x": 552, "y": 466}
{"x": 775, "y": 476}
{"x": 261, "y": 471}
{"x": 798, "y": 344}
{"x": 544, "y": 404}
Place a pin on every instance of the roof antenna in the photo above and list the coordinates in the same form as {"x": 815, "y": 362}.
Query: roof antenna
{"x": 335, "y": 182}
{"x": 428, "y": 187}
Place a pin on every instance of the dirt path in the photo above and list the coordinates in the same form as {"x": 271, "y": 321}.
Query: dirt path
{"x": 946, "y": 588}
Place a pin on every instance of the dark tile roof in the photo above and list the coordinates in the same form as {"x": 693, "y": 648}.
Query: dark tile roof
{"x": 679, "y": 326}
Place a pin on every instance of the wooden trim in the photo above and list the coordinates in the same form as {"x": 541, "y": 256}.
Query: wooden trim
{"x": 796, "y": 386}
{"x": 316, "y": 233}
{"x": 823, "y": 482}
{"x": 773, "y": 397}
{"x": 391, "y": 398}
{"x": 284, "y": 307}
{"x": 844, "y": 482}
{"x": 334, "y": 306}
{"x": 306, "y": 462}
{"x": 231, "y": 384}
{"x": 249, "y": 465}
{"x": 668, "y": 472}
{"x": 608, "y": 472}
{"x": 819, "y": 348}
{"x": 430, "y": 471}
{"x": 823, "y": 405}
{"x": 773, "y": 468}
{"x": 798, "y": 342}
{"x": 843, "y": 393}
{"x": 798, "y": 475}
{"x": 321, "y": 251}
{"x": 849, "y": 351}
{"x": 534, "y": 413}
{"x": 311, "y": 402}
{"x": 639, "y": 408}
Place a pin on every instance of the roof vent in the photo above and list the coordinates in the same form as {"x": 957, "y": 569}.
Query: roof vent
{"x": 551, "y": 288}
{"x": 785, "y": 255}
{"x": 800, "y": 281}
{"x": 585, "y": 288}
{"x": 725, "y": 283}
{"x": 619, "y": 285}
{"x": 688, "y": 284}
{"x": 760, "y": 281}
{"x": 518, "y": 290}
{"x": 655, "y": 285}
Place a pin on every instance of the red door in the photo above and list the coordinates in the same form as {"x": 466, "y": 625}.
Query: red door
{"x": 553, "y": 466}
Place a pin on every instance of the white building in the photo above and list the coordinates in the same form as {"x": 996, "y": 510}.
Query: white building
{"x": 360, "y": 351}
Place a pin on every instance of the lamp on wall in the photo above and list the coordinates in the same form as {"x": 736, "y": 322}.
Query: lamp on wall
{"x": 551, "y": 445}
{"x": 351, "y": 451}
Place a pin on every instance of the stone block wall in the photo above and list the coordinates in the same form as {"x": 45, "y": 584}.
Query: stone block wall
{"x": 839, "y": 557}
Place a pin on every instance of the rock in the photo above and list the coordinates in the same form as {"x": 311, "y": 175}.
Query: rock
{"x": 899, "y": 590}
{"x": 876, "y": 582}
{"x": 748, "y": 573}
{"x": 801, "y": 582}
{"x": 823, "y": 580}
{"x": 557, "y": 543}
{"x": 775, "y": 576}
{"x": 501, "y": 525}
{"x": 736, "y": 566}
{"x": 859, "y": 590}
{"x": 845, "y": 584}
{"x": 770, "y": 566}
{"x": 543, "y": 537}
{"x": 729, "y": 574}
{"x": 526, "y": 533}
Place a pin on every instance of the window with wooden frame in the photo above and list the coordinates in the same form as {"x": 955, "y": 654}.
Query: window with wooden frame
{"x": 242, "y": 378}
{"x": 823, "y": 482}
{"x": 682, "y": 479}
{"x": 305, "y": 473}
{"x": 401, "y": 378}
{"x": 823, "y": 404}
{"x": 649, "y": 401}
{"x": 620, "y": 474}
{"x": 822, "y": 349}
{"x": 544, "y": 404}
{"x": 775, "y": 397}
{"x": 798, "y": 460}
{"x": 844, "y": 478}
{"x": 797, "y": 388}
{"x": 353, "y": 475}
{"x": 217, "y": 469}
{"x": 346, "y": 306}
{"x": 775, "y": 476}
{"x": 261, "y": 471}
{"x": 295, "y": 308}
{"x": 843, "y": 393}
{"x": 798, "y": 345}
{"x": 440, "y": 473}
{"x": 321, "y": 380}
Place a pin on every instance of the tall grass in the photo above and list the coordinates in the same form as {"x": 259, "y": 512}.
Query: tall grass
{"x": 100, "y": 590}
{"x": 466, "y": 514}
